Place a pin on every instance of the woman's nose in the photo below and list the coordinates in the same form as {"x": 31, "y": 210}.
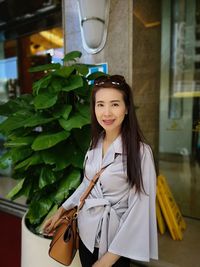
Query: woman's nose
{"x": 107, "y": 111}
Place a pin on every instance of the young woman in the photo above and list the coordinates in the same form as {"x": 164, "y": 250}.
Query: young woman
{"x": 118, "y": 219}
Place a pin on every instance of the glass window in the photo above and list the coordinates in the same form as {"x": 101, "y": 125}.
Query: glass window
{"x": 17, "y": 56}
{"x": 179, "y": 145}
{"x": 8, "y": 70}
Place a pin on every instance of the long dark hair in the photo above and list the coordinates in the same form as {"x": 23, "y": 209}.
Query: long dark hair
{"x": 131, "y": 134}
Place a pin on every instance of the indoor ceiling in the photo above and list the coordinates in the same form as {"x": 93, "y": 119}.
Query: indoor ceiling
{"x": 46, "y": 40}
{"x": 41, "y": 41}
{"x": 12, "y": 9}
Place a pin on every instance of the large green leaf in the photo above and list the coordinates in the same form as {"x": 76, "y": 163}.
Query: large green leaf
{"x": 76, "y": 121}
{"x": 12, "y": 106}
{"x": 75, "y": 82}
{"x": 5, "y": 160}
{"x": 45, "y": 141}
{"x": 20, "y": 132}
{"x": 45, "y": 100}
{"x": 64, "y": 72}
{"x": 20, "y": 141}
{"x": 20, "y": 153}
{"x": 70, "y": 155}
{"x": 38, "y": 209}
{"x": 82, "y": 137}
{"x": 77, "y": 158}
{"x": 65, "y": 154}
{"x": 9, "y": 108}
{"x": 23, "y": 113}
{"x": 24, "y": 190}
{"x": 84, "y": 91}
{"x": 52, "y": 155}
{"x": 57, "y": 84}
{"x": 15, "y": 190}
{"x": 30, "y": 185}
{"x": 37, "y": 119}
{"x": 84, "y": 110}
{"x": 47, "y": 177}
{"x": 61, "y": 163}
{"x": 52, "y": 211}
{"x": 33, "y": 160}
{"x": 72, "y": 56}
{"x": 58, "y": 156}
{"x": 12, "y": 123}
{"x": 82, "y": 69}
{"x": 25, "y": 100}
{"x": 52, "y": 66}
{"x": 95, "y": 75}
{"x": 71, "y": 181}
{"x": 63, "y": 111}
{"x": 41, "y": 83}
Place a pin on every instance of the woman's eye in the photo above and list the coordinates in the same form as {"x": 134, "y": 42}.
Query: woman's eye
{"x": 115, "y": 104}
{"x": 99, "y": 105}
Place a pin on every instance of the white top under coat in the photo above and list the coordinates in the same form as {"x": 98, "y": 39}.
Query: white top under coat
{"x": 125, "y": 219}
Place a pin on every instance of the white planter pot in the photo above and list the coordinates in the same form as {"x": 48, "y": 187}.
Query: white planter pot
{"x": 34, "y": 251}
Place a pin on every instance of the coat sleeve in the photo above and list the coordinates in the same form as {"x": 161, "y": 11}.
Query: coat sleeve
{"x": 136, "y": 237}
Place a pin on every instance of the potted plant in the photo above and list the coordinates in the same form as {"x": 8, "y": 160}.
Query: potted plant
{"x": 47, "y": 134}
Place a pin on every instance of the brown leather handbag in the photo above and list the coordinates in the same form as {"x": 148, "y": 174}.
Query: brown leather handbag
{"x": 64, "y": 243}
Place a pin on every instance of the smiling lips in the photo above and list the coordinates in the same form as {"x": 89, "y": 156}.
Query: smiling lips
{"x": 108, "y": 122}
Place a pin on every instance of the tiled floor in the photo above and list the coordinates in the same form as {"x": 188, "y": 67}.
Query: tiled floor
{"x": 184, "y": 253}
{"x": 183, "y": 176}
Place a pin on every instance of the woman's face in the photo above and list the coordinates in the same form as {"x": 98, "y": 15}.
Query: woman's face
{"x": 110, "y": 109}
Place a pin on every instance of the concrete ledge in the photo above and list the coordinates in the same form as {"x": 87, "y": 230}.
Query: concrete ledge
{"x": 13, "y": 208}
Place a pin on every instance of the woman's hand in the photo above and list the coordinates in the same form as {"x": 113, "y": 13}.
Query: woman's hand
{"x": 107, "y": 260}
{"x": 49, "y": 224}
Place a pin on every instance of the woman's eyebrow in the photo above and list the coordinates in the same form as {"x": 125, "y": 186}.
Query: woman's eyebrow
{"x": 115, "y": 100}
{"x": 101, "y": 101}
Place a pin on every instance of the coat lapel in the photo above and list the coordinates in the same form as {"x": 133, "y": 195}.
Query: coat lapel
{"x": 114, "y": 149}
{"x": 95, "y": 155}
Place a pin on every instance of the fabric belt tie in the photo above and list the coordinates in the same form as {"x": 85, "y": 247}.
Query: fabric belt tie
{"x": 107, "y": 217}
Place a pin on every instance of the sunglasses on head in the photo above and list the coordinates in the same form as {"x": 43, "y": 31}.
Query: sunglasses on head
{"x": 113, "y": 79}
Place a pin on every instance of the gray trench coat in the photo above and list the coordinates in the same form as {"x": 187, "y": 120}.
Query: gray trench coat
{"x": 114, "y": 217}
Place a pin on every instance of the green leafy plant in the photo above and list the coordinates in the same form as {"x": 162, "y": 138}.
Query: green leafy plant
{"x": 47, "y": 134}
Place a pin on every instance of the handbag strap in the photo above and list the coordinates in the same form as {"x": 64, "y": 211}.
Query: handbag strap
{"x": 82, "y": 199}
{"x": 90, "y": 187}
